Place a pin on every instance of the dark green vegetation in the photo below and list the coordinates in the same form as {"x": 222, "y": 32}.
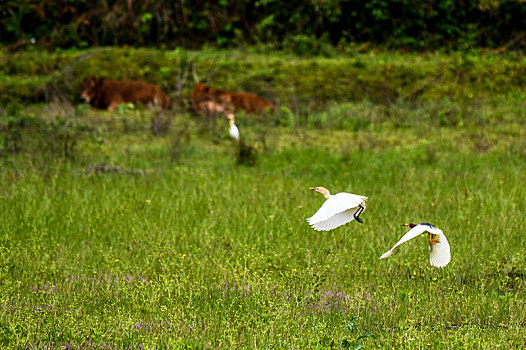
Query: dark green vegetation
{"x": 178, "y": 246}
{"x": 303, "y": 26}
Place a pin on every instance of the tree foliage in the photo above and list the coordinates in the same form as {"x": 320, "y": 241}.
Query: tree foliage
{"x": 192, "y": 24}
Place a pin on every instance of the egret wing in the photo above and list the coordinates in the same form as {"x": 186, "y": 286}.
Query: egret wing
{"x": 336, "y": 204}
{"x": 439, "y": 253}
{"x": 335, "y": 220}
{"x": 234, "y": 132}
{"x": 412, "y": 233}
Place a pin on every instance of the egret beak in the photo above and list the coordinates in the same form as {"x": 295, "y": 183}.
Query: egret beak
{"x": 405, "y": 225}
{"x": 313, "y": 188}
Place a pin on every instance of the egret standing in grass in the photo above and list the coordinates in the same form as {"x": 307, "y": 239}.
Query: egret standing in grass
{"x": 337, "y": 210}
{"x": 211, "y": 108}
{"x": 439, "y": 254}
{"x": 233, "y": 131}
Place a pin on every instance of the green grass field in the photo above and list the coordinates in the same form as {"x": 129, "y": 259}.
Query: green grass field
{"x": 197, "y": 251}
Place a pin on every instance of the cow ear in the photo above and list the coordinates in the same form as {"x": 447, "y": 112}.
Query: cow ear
{"x": 86, "y": 82}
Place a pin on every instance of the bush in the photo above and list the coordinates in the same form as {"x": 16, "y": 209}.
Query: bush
{"x": 192, "y": 24}
{"x": 11, "y": 124}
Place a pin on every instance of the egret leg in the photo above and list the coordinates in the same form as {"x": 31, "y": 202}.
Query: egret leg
{"x": 357, "y": 214}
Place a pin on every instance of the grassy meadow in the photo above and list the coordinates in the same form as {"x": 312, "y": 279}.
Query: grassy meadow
{"x": 187, "y": 244}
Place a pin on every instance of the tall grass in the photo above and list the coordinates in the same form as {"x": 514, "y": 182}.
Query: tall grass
{"x": 197, "y": 251}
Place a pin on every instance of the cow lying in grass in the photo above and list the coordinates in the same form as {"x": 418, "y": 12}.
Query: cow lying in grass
{"x": 212, "y": 108}
{"x": 107, "y": 94}
{"x": 229, "y": 100}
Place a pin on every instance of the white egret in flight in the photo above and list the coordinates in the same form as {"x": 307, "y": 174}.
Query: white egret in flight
{"x": 337, "y": 210}
{"x": 439, "y": 254}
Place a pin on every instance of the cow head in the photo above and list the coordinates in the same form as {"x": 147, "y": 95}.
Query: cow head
{"x": 200, "y": 91}
{"x": 90, "y": 87}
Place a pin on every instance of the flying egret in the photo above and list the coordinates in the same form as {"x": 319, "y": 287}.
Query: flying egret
{"x": 439, "y": 254}
{"x": 337, "y": 210}
{"x": 234, "y": 131}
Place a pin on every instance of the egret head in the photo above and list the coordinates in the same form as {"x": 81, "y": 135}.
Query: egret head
{"x": 322, "y": 190}
{"x": 230, "y": 116}
{"x": 411, "y": 225}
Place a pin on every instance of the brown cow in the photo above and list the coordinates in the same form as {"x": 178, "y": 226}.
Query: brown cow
{"x": 230, "y": 100}
{"x": 105, "y": 93}
{"x": 212, "y": 108}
